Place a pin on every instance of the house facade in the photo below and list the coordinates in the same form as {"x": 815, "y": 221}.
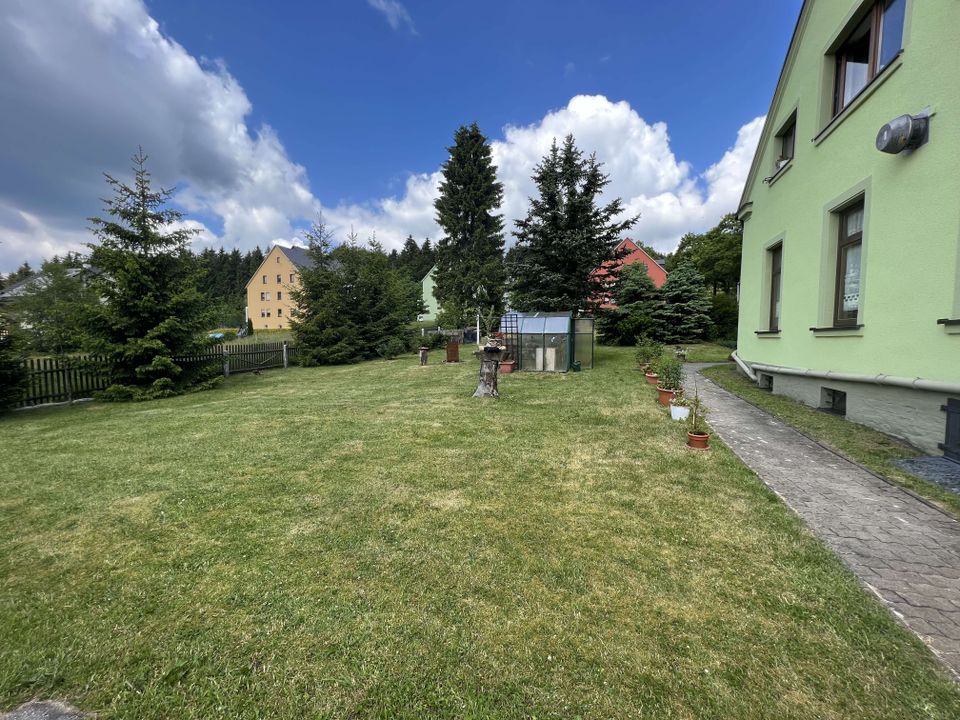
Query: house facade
{"x": 633, "y": 254}
{"x": 850, "y": 278}
{"x": 429, "y": 300}
{"x": 269, "y": 305}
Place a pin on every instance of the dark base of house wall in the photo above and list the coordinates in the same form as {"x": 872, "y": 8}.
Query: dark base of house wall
{"x": 914, "y": 416}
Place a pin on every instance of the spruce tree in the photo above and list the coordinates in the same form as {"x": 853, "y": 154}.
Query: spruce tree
{"x": 150, "y": 311}
{"x": 351, "y": 305}
{"x": 565, "y": 236}
{"x": 637, "y": 301}
{"x": 684, "y": 315}
{"x": 469, "y": 256}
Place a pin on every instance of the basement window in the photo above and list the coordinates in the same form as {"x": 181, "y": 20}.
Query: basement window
{"x": 765, "y": 382}
{"x": 833, "y": 401}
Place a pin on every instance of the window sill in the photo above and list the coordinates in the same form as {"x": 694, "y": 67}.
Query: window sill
{"x": 767, "y": 333}
{"x": 950, "y": 325}
{"x": 860, "y": 98}
{"x": 841, "y": 331}
{"x": 780, "y": 173}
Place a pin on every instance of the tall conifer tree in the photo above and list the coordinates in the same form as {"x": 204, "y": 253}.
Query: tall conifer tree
{"x": 151, "y": 311}
{"x": 565, "y": 236}
{"x": 470, "y": 271}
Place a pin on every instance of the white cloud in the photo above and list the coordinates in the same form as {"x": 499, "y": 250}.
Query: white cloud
{"x": 92, "y": 80}
{"x": 395, "y": 13}
{"x": 65, "y": 63}
{"x": 644, "y": 172}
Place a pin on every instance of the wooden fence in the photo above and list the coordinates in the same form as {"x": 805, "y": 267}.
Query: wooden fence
{"x": 56, "y": 380}
{"x": 53, "y": 380}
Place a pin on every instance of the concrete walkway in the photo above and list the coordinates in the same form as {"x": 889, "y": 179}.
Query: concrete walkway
{"x": 905, "y": 551}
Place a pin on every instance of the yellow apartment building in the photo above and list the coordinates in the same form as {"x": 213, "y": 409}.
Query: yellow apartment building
{"x": 268, "y": 292}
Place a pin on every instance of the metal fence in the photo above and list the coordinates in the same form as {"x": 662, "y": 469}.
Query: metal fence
{"x": 58, "y": 380}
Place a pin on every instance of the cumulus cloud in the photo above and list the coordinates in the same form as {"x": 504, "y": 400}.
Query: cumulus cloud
{"x": 671, "y": 198}
{"x": 395, "y": 13}
{"x": 86, "y": 82}
{"x": 65, "y": 64}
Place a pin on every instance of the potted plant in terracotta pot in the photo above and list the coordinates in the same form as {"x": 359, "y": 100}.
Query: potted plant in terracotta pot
{"x": 669, "y": 374}
{"x": 680, "y": 407}
{"x": 697, "y": 433}
{"x": 647, "y": 351}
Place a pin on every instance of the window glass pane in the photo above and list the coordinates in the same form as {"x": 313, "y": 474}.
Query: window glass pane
{"x": 856, "y": 51}
{"x": 775, "y": 264}
{"x": 891, "y": 34}
{"x": 854, "y": 220}
{"x": 850, "y": 298}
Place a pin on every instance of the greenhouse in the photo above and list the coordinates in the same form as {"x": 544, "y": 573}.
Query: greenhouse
{"x": 548, "y": 341}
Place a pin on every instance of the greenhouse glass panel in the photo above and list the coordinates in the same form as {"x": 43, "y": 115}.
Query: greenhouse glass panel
{"x": 583, "y": 342}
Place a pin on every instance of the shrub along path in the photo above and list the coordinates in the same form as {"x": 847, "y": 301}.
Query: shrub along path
{"x": 904, "y": 550}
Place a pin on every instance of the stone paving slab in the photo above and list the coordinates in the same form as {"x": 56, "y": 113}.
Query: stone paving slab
{"x": 905, "y": 551}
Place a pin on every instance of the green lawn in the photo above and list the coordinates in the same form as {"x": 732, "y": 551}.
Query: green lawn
{"x": 870, "y": 448}
{"x": 706, "y": 352}
{"x": 371, "y": 542}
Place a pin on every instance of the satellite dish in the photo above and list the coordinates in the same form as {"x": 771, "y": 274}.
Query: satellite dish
{"x": 906, "y": 131}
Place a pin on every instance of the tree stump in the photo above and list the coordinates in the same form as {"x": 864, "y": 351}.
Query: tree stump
{"x": 423, "y": 355}
{"x": 489, "y": 364}
{"x": 453, "y": 351}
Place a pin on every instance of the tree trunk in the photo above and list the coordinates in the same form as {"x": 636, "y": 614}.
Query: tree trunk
{"x": 488, "y": 375}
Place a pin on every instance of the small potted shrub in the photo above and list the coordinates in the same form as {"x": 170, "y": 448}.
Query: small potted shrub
{"x": 648, "y": 351}
{"x": 697, "y": 435}
{"x": 680, "y": 407}
{"x": 669, "y": 374}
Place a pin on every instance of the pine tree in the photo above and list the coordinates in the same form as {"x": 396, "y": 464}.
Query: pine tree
{"x": 565, "y": 236}
{"x": 685, "y": 313}
{"x": 151, "y": 311}
{"x": 351, "y": 305}
{"x": 469, "y": 257}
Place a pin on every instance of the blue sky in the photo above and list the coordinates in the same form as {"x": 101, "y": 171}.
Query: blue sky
{"x": 265, "y": 114}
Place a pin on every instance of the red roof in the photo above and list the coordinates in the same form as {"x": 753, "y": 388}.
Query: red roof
{"x": 635, "y": 254}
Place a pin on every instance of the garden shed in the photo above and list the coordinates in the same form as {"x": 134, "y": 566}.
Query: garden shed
{"x": 548, "y": 341}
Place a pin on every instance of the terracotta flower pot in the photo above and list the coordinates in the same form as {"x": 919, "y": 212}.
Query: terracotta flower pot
{"x": 652, "y": 378}
{"x": 665, "y": 396}
{"x": 508, "y": 366}
{"x": 698, "y": 441}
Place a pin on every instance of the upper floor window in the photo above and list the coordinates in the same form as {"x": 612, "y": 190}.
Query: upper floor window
{"x": 849, "y": 253}
{"x": 279, "y": 278}
{"x": 292, "y": 277}
{"x": 871, "y": 47}
{"x": 278, "y": 258}
{"x": 264, "y": 279}
{"x": 279, "y": 295}
{"x": 787, "y": 141}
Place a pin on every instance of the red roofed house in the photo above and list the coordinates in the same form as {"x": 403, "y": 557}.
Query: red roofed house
{"x": 634, "y": 254}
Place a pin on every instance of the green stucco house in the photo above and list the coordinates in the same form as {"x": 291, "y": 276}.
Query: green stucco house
{"x": 427, "y": 285}
{"x": 850, "y": 288}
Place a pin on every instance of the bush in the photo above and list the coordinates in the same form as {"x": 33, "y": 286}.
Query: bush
{"x": 392, "y": 347}
{"x": 723, "y": 314}
{"x": 669, "y": 372}
{"x": 431, "y": 341}
{"x": 12, "y": 373}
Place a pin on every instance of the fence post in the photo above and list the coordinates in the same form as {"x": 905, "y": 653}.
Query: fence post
{"x": 226, "y": 361}
{"x": 285, "y": 362}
